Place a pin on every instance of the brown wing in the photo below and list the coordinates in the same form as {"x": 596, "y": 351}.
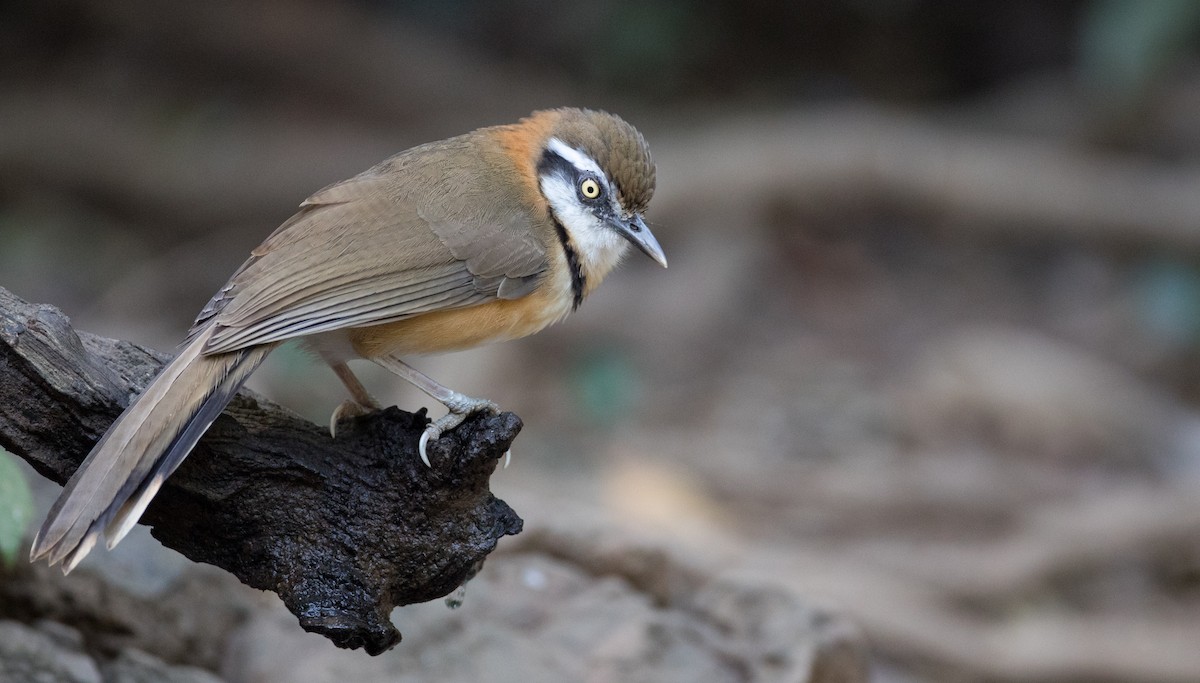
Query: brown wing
{"x": 377, "y": 248}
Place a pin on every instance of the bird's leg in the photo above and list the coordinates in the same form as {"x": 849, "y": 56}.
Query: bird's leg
{"x": 360, "y": 403}
{"x": 459, "y": 405}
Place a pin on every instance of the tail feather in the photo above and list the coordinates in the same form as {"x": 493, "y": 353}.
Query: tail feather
{"x": 137, "y": 498}
{"x": 115, "y": 483}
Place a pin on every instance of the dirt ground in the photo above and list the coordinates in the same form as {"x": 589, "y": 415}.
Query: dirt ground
{"x": 915, "y": 400}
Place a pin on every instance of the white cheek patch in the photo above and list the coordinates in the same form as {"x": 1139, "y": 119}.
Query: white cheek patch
{"x": 599, "y": 246}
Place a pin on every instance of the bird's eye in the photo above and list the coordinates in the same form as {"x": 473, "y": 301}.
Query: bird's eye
{"x": 589, "y": 188}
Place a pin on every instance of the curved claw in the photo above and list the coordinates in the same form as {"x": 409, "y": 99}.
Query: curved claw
{"x": 430, "y": 431}
{"x": 507, "y": 458}
{"x": 345, "y": 411}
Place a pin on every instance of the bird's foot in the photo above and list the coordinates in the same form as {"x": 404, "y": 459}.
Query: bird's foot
{"x": 460, "y": 407}
{"x": 348, "y": 409}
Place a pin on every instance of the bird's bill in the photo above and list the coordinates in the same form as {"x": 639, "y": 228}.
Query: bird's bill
{"x": 635, "y": 231}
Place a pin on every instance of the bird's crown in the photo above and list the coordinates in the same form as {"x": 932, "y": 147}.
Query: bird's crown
{"x": 616, "y": 146}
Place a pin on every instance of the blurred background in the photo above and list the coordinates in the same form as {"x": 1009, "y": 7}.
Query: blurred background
{"x": 928, "y": 351}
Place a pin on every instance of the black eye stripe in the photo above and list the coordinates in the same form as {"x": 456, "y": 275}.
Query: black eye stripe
{"x": 553, "y": 162}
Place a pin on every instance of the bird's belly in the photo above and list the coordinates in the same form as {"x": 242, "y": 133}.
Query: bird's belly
{"x": 457, "y": 329}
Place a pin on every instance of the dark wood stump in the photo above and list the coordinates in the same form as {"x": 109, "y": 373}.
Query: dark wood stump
{"x": 343, "y": 530}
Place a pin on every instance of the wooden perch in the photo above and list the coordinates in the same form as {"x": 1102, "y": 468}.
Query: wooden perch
{"x": 343, "y": 530}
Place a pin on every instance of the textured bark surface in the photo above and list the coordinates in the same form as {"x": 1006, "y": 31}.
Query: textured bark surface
{"x": 343, "y": 529}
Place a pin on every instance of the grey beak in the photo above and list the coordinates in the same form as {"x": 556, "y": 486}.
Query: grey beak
{"x": 635, "y": 231}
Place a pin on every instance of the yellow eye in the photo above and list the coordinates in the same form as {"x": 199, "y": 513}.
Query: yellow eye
{"x": 590, "y": 189}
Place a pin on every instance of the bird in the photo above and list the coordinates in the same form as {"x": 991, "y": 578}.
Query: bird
{"x": 487, "y": 236}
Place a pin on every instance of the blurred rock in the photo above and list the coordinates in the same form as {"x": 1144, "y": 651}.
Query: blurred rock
{"x": 1030, "y": 395}
{"x": 184, "y": 624}
{"x": 134, "y": 666}
{"x": 27, "y": 654}
{"x": 529, "y": 617}
{"x": 660, "y": 497}
{"x": 54, "y": 654}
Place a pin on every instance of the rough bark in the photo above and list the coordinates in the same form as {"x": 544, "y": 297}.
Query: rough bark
{"x": 343, "y": 529}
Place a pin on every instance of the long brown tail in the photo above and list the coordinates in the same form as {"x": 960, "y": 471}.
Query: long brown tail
{"x": 113, "y": 486}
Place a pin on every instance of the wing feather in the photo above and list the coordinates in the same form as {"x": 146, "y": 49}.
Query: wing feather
{"x": 377, "y": 248}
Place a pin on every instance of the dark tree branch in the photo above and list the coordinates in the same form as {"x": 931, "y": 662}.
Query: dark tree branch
{"x": 342, "y": 530}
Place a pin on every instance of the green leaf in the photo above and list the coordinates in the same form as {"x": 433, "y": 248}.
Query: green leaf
{"x": 16, "y": 508}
